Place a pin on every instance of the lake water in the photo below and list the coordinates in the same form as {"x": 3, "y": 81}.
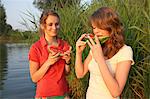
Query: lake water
{"x": 15, "y": 82}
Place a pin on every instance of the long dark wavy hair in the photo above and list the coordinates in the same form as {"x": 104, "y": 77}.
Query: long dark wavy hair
{"x": 43, "y": 18}
{"x": 106, "y": 18}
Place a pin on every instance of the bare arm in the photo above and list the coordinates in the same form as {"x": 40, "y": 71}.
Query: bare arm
{"x": 37, "y": 72}
{"x": 115, "y": 83}
{"x": 67, "y": 69}
{"x": 67, "y": 56}
{"x": 81, "y": 68}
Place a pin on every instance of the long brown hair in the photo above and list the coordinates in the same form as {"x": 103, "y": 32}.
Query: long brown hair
{"x": 107, "y": 19}
{"x": 44, "y": 16}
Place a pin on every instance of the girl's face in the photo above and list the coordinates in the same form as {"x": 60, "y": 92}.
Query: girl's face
{"x": 52, "y": 26}
{"x": 100, "y": 32}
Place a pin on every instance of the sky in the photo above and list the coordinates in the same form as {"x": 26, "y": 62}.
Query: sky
{"x": 15, "y": 9}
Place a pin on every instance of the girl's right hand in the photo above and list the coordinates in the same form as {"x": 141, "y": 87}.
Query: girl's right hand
{"x": 80, "y": 45}
{"x": 53, "y": 57}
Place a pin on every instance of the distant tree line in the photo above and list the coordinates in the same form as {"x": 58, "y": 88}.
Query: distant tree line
{"x": 4, "y": 27}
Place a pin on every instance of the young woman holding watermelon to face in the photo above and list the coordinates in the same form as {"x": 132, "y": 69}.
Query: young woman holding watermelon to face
{"x": 49, "y": 59}
{"x": 108, "y": 62}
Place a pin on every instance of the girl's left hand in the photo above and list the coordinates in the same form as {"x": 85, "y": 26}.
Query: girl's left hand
{"x": 66, "y": 56}
{"x": 95, "y": 48}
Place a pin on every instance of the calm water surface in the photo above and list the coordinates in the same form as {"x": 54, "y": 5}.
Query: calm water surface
{"x": 15, "y": 82}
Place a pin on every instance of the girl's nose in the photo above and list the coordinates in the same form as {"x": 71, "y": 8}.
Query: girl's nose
{"x": 54, "y": 27}
{"x": 95, "y": 31}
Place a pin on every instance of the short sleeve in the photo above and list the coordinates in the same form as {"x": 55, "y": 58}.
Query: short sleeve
{"x": 33, "y": 54}
{"x": 125, "y": 53}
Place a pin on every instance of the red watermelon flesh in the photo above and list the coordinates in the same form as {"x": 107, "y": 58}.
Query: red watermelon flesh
{"x": 60, "y": 50}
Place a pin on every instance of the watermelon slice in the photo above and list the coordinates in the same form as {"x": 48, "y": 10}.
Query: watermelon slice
{"x": 86, "y": 37}
{"x": 58, "y": 49}
{"x": 102, "y": 39}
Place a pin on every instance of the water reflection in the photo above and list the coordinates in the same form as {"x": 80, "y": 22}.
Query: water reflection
{"x": 3, "y": 64}
{"x": 15, "y": 82}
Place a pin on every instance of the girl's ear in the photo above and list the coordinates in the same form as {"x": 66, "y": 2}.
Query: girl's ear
{"x": 42, "y": 26}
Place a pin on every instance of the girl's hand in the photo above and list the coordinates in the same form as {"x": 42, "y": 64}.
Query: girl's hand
{"x": 80, "y": 45}
{"x": 66, "y": 56}
{"x": 95, "y": 48}
{"x": 53, "y": 57}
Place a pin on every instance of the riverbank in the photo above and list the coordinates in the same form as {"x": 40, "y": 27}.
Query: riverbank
{"x": 7, "y": 39}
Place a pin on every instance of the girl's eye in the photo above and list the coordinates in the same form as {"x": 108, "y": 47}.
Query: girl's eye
{"x": 50, "y": 24}
{"x": 56, "y": 24}
{"x": 93, "y": 27}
